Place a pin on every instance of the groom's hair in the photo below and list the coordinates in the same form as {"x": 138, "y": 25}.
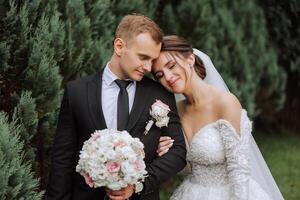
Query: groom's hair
{"x": 132, "y": 25}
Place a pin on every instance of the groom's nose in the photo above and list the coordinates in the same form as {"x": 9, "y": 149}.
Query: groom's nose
{"x": 147, "y": 66}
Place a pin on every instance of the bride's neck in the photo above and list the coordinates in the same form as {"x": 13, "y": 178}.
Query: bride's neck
{"x": 196, "y": 91}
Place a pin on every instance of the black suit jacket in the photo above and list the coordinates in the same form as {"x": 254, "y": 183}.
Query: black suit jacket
{"x": 81, "y": 114}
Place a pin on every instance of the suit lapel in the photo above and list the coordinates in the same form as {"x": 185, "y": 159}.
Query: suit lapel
{"x": 139, "y": 103}
{"x": 94, "y": 101}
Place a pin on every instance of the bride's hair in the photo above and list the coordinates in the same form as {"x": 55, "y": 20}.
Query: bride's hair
{"x": 180, "y": 46}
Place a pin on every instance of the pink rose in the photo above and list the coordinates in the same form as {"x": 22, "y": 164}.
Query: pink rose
{"x": 138, "y": 165}
{"x": 119, "y": 143}
{"x": 113, "y": 167}
{"x": 88, "y": 180}
{"x": 159, "y": 103}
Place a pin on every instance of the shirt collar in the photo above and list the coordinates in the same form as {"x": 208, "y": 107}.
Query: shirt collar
{"x": 109, "y": 77}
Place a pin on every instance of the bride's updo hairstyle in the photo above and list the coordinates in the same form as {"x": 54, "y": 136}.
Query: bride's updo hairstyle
{"x": 182, "y": 48}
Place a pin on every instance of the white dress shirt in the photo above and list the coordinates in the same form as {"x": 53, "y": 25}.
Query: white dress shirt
{"x": 109, "y": 97}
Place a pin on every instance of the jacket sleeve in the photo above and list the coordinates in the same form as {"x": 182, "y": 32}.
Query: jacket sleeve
{"x": 63, "y": 154}
{"x": 164, "y": 167}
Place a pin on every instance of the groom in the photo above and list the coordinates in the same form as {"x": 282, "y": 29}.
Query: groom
{"x": 117, "y": 97}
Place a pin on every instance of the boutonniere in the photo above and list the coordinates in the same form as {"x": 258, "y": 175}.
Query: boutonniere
{"x": 159, "y": 113}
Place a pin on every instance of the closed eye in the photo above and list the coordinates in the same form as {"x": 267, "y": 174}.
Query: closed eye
{"x": 172, "y": 66}
{"x": 144, "y": 57}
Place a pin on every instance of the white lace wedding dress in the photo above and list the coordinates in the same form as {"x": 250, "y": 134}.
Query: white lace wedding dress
{"x": 219, "y": 165}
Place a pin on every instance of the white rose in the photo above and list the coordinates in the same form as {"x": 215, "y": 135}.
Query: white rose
{"x": 128, "y": 153}
{"x": 157, "y": 111}
{"x": 162, "y": 122}
{"x": 115, "y": 185}
{"x": 128, "y": 169}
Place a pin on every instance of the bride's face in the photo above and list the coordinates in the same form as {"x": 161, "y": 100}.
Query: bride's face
{"x": 171, "y": 71}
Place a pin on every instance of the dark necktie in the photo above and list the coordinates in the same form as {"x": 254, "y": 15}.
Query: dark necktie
{"x": 123, "y": 104}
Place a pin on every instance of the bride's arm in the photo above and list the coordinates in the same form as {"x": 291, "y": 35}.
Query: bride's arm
{"x": 236, "y": 146}
{"x": 236, "y": 153}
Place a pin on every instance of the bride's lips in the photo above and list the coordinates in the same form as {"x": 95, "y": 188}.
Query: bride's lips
{"x": 172, "y": 83}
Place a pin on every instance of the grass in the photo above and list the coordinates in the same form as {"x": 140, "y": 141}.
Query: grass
{"x": 282, "y": 154}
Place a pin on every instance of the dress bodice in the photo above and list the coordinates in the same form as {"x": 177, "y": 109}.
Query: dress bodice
{"x": 220, "y": 168}
{"x": 206, "y": 147}
{"x": 207, "y": 157}
{"x": 218, "y": 155}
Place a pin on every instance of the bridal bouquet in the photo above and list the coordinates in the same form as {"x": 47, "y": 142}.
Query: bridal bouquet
{"x": 112, "y": 159}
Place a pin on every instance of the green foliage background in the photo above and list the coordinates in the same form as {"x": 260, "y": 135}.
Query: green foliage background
{"x": 44, "y": 44}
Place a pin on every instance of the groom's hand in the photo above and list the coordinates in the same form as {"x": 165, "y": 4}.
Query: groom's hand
{"x": 122, "y": 194}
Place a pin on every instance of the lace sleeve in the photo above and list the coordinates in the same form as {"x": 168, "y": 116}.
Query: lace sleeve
{"x": 237, "y": 153}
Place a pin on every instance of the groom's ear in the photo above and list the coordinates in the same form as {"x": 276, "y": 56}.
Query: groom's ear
{"x": 119, "y": 45}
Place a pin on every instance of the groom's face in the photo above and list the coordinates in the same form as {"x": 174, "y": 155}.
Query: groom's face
{"x": 137, "y": 55}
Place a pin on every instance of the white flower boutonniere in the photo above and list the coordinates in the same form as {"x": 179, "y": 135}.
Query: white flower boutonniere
{"x": 159, "y": 113}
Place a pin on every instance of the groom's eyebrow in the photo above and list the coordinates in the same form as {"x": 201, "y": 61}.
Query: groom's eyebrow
{"x": 144, "y": 56}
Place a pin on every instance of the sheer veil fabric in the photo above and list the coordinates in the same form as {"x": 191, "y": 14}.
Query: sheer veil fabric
{"x": 259, "y": 169}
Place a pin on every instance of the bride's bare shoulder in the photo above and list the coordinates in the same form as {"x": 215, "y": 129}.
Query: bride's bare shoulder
{"x": 230, "y": 108}
{"x": 228, "y": 99}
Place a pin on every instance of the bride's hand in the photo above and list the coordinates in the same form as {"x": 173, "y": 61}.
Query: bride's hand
{"x": 165, "y": 143}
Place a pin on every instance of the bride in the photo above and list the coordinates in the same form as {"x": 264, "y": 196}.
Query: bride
{"x": 224, "y": 159}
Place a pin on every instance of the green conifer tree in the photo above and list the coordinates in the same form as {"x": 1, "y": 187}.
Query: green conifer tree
{"x": 17, "y": 179}
{"x": 31, "y": 42}
{"x": 233, "y": 34}
{"x": 27, "y": 118}
{"x": 284, "y": 29}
